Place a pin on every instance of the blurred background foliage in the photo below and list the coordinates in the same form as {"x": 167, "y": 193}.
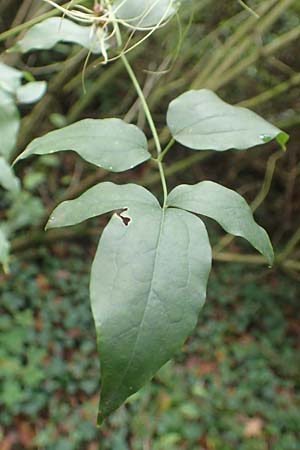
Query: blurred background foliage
{"x": 236, "y": 383}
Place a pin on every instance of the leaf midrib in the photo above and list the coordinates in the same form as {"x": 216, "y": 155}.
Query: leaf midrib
{"x": 145, "y": 310}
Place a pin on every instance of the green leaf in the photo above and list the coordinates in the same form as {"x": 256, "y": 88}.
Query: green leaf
{"x": 9, "y": 124}
{"x": 200, "y": 120}
{"x": 4, "y": 250}
{"x": 45, "y": 35}
{"x": 100, "y": 199}
{"x": 31, "y": 92}
{"x": 109, "y": 143}
{"x": 7, "y": 178}
{"x": 225, "y": 206}
{"x": 25, "y": 211}
{"x": 10, "y": 78}
{"x": 148, "y": 284}
{"x": 144, "y": 13}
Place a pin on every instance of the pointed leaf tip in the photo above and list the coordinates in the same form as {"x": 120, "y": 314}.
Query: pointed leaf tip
{"x": 225, "y": 206}
{"x": 201, "y": 120}
{"x": 111, "y": 144}
{"x": 148, "y": 284}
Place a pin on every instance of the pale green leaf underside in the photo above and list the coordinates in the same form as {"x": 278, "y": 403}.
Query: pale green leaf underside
{"x": 144, "y": 13}
{"x": 200, "y": 120}
{"x": 45, "y": 35}
{"x": 31, "y": 92}
{"x": 108, "y": 143}
{"x": 225, "y": 206}
{"x": 9, "y": 125}
{"x": 7, "y": 178}
{"x": 4, "y": 249}
{"x": 148, "y": 284}
{"x": 10, "y": 78}
{"x": 100, "y": 199}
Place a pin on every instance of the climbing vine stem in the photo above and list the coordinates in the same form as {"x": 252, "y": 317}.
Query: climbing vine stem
{"x": 148, "y": 114}
{"x": 151, "y": 124}
{"x": 166, "y": 149}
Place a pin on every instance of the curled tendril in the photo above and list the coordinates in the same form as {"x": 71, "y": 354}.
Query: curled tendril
{"x": 104, "y": 22}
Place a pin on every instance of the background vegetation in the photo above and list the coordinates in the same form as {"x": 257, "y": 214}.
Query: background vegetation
{"x": 236, "y": 383}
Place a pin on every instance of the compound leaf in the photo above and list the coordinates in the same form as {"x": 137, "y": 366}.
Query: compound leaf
{"x": 225, "y": 206}
{"x": 200, "y": 120}
{"x": 45, "y": 35}
{"x": 148, "y": 284}
{"x": 100, "y": 199}
{"x": 108, "y": 143}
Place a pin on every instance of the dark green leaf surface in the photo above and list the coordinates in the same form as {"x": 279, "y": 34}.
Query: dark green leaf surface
{"x": 148, "y": 284}
{"x": 109, "y": 143}
{"x": 200, "y": 120}
{"x": 47, "y": 34}
{"x": 100, "y": 199}
{"x": 225, "y": 206}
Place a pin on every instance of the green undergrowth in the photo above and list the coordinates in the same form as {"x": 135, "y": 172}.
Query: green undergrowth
{"x": 234, "y": 386}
